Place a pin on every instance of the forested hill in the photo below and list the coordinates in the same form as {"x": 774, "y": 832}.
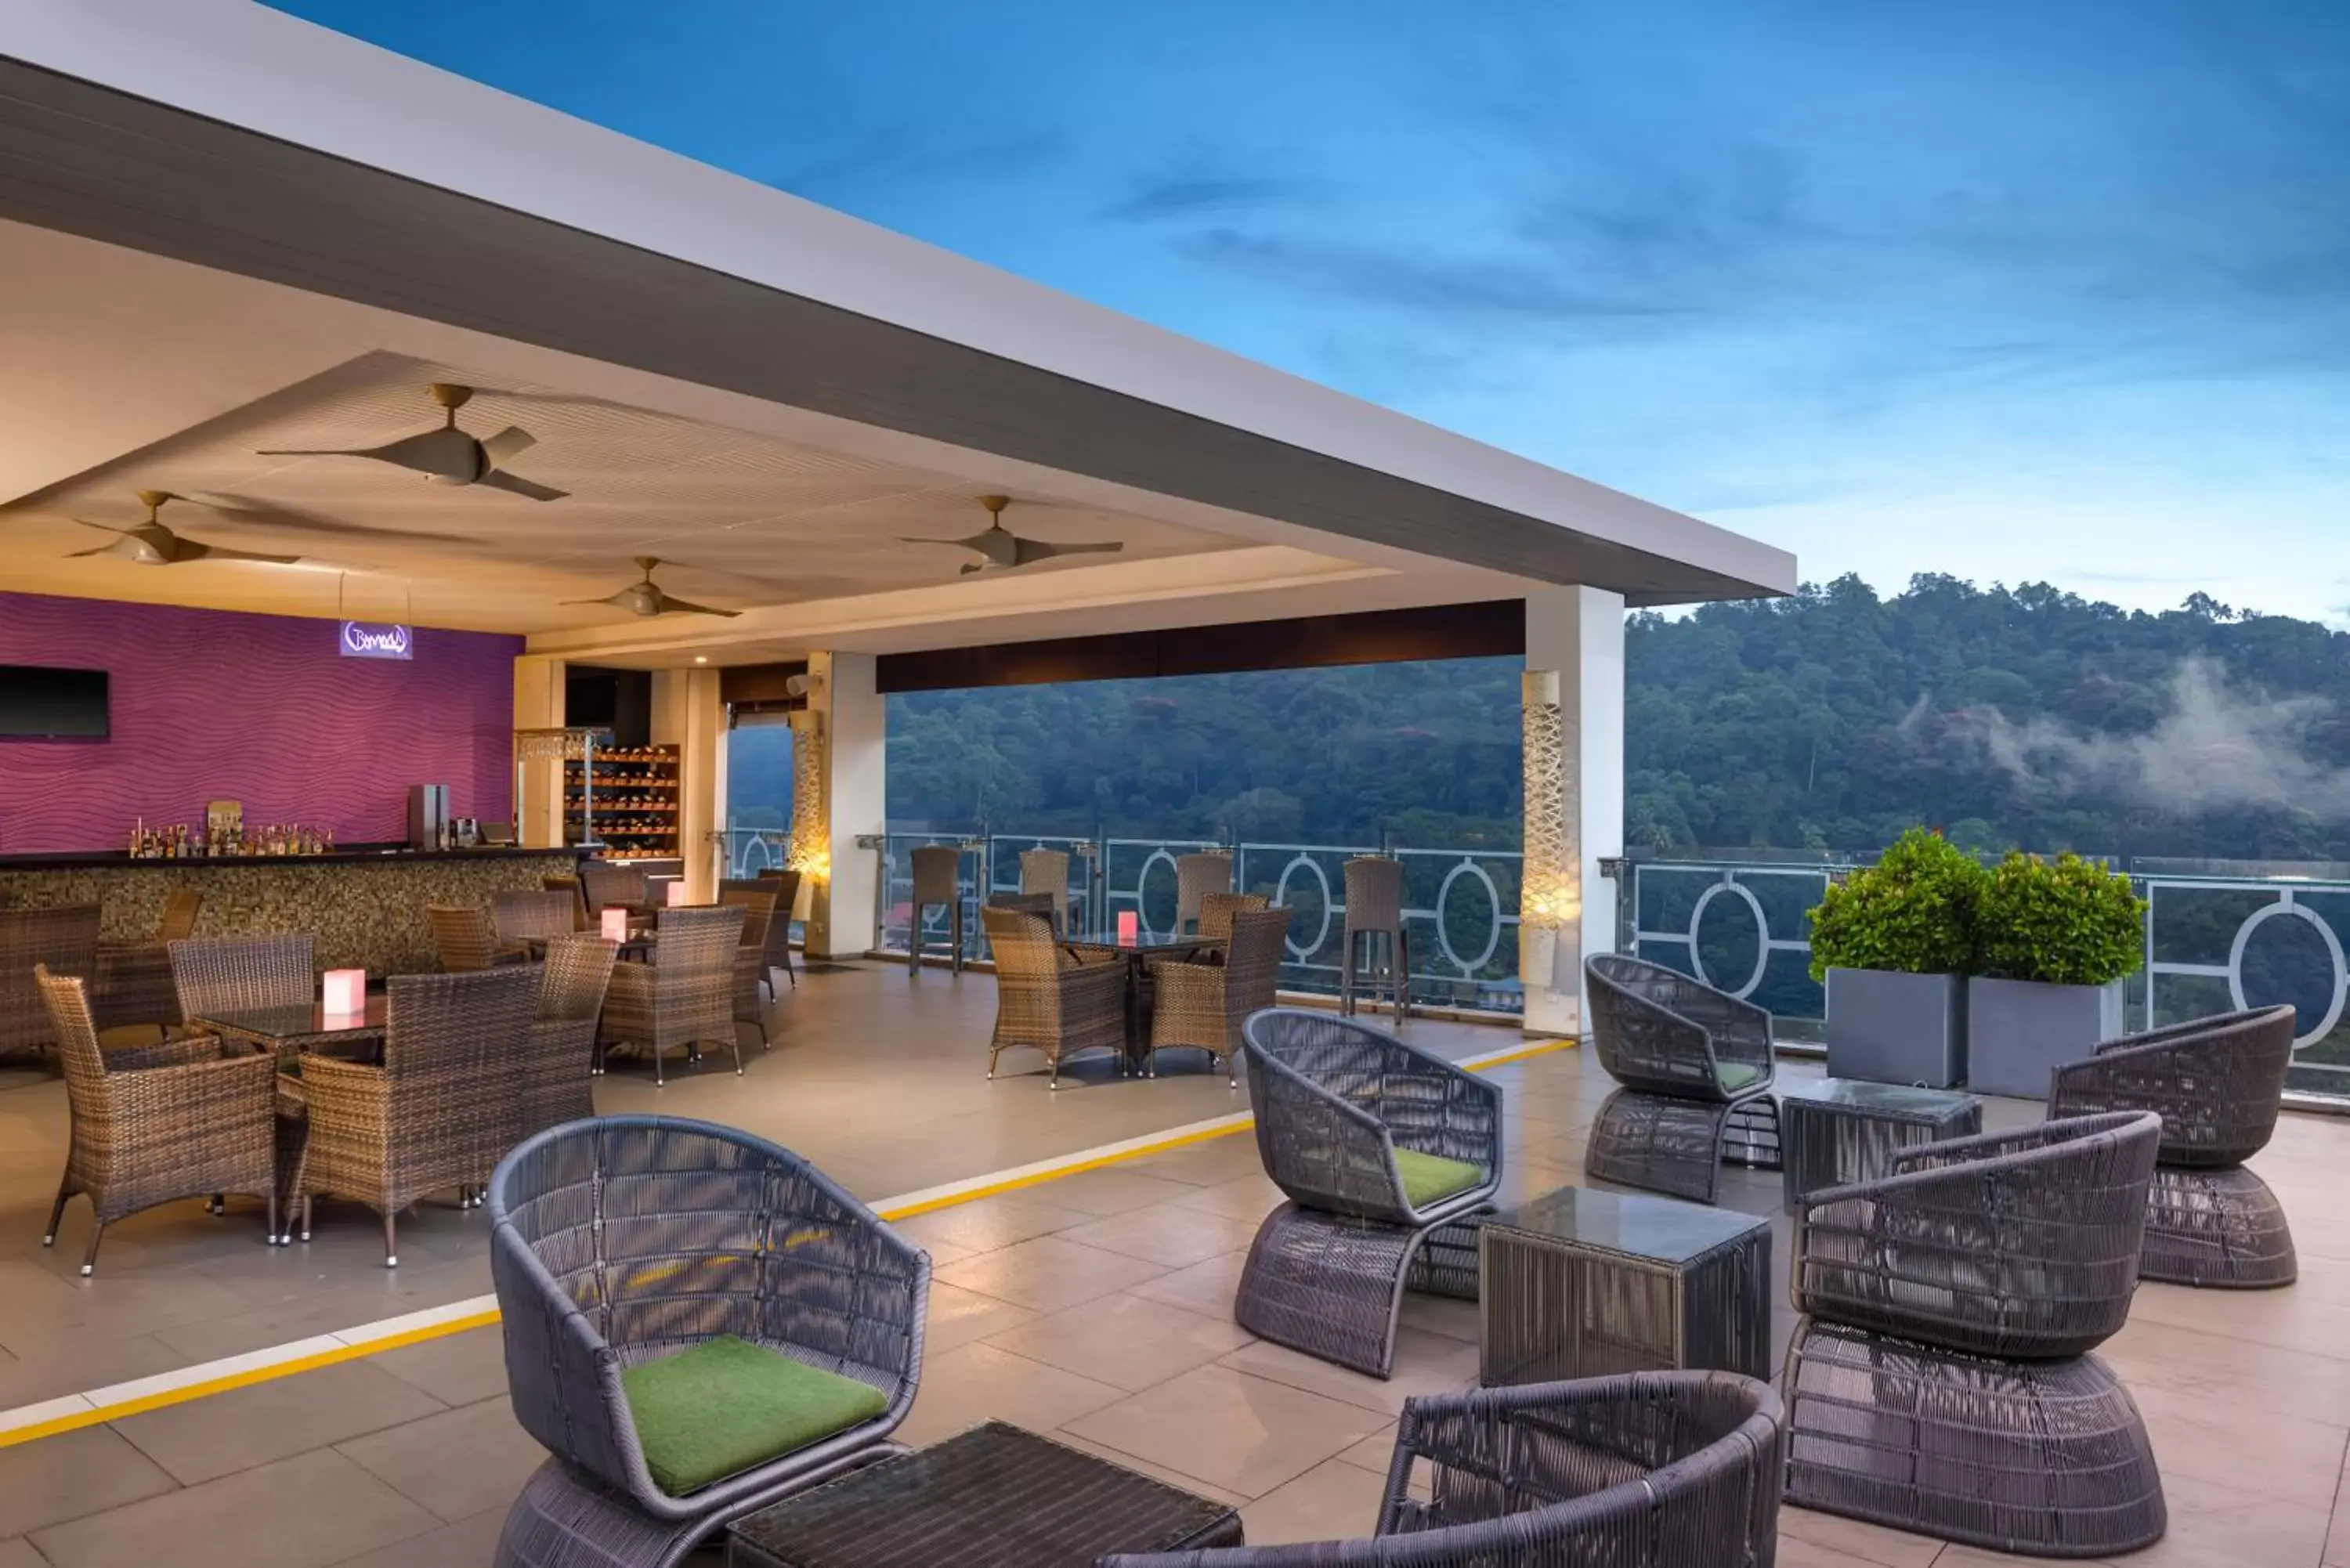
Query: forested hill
{"x": 1829, "y": 720}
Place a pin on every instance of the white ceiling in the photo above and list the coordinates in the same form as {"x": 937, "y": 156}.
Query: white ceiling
{"x": 739, "y": 521}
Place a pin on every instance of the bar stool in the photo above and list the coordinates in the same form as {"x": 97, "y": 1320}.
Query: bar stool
{"x": 1374, "y": 908}
{"x": 1047, "y": 871}
{"x": 937, "y": 880}
{"x": 1196, "y": 877}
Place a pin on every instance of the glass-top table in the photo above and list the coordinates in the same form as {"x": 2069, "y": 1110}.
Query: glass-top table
{"x": 1836, "y": 1131}
{"x": 296, "y": 1027}
{"x": 1138, "y": 955}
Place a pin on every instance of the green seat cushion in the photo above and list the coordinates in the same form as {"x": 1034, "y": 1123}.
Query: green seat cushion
{"x": 715, "y": 1411}
{"x": 1429, "y": 1177}
{"x": 1736, "y": 1076}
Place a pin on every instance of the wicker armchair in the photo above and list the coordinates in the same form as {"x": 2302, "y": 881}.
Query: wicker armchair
{"x": 1336, "y": 1101}
{"x": 1050, "y": 998}
{"x": 1696, "y": 1068}
{"x": 465, "y": 939}
{"x": 519, "y": 917}
{"x": 1941, "y": 1381}
{"x": 605, "y": 885}
{"x": 156, "y": 1123}
{"x": 1649, "y": 1470}
{"x": 684, "y": 995}
{"x": 751, "y": 972}
{"x": 618, "y": 1240}
{"x": 786, "y": 885}
{"x": 576, "y": 891}
{"x": 561, "y": 1059}
{"x": 1044, "y": 870}
{"x": 231, "y": 974}
{"x": 1029, "y": 904}
{"x": 1216, "y": 911}
{"x": 439, "y": 1113}
{"x": 133, "y": 983}
{"x": 1203, "y": 1005}
{"x": 1196, "y": 877}
{"x": 2216, "y": 1084}
{"x": 64, "y": 938}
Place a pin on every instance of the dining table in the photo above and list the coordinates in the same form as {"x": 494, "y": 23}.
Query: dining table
{"x": 291, "y": 1029}
{"x": 1138, "y": 956}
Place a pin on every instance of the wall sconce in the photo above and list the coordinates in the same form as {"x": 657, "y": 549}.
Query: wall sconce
{"x": 811, "y": 851}
{"x": 346, "y": 994}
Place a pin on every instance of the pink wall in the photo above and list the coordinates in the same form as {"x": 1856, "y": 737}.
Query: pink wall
{"x": 207, "y": 704}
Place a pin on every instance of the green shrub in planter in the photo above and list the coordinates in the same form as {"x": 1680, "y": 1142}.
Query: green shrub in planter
{"x": 2066, "y": 921}
{"x": 1914, "y": 912}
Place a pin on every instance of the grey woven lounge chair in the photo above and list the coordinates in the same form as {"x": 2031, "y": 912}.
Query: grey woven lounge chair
{"x": 617, "y": 1240}
{"x": 1649, "y": 1470}
{"x": 2216, "y": 1084}
{"x": 1941, "y": 1381}
{"x": 1696, "y": 1068}
{"x": 1335, "y": 1100}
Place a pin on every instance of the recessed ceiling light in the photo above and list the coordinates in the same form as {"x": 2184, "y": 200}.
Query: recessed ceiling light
{"x": 702, "y": 659}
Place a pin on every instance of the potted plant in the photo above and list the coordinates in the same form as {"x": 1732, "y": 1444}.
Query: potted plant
{"x": 2058, "y": 938}
{"x": 1894, "y": 942}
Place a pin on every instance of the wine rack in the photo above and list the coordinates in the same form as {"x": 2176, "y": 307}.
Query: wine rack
{"x": 635, "y": 801}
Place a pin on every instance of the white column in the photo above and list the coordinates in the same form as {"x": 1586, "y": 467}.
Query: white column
{"x": 847, "y": 723}
{"x": 1579, "y": 633}
{"x": 689, "y": 715}
{"x": 539, "y": 705}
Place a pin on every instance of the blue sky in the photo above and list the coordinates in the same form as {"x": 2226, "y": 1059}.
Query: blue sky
{"x": 2016, "y": 289}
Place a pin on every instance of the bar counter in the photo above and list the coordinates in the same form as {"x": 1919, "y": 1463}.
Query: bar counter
{"x": 363, "y": 909}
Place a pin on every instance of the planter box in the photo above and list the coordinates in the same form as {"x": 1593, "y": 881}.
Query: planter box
{"x": 1892, "y": 1028}
{"x": 2020, "y": 1031}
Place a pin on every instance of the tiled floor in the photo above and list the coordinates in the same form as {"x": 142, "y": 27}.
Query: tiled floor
{"x": 1097, "y": 1307}
{"x": 879, "y": 1078}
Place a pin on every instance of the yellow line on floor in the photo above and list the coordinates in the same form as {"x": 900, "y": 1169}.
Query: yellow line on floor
{"x": 119, "y": 1401}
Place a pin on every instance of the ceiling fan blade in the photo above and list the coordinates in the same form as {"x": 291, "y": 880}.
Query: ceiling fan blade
{"x": 1044, "y": 549}
{"x": 671, "y": 605}
{"x": 499, "y": 479}
{"x": 444, "y": 453}
{"x": 95, "y": 550}
{"x": 619, "y": 601}
{"x": 507, "y": 444}
{"x": 969, "y": 543}
{"x": 186, "y": 549}
{"x": 968, "y": 568}
{"x": 123, "y": 533}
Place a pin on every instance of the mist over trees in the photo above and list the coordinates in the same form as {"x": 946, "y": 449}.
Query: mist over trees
{"x": 1830, "y": 720}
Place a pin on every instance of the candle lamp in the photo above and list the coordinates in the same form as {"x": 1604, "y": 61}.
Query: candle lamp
{"x": 346, "y": 994}
{"x": 614, "y": 923}
{"x": 1129, "y": 927}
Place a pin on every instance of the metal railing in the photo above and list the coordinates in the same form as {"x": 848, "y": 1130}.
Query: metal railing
{"x": 1459, "y": 914}
{"x": 2212, "y": 943}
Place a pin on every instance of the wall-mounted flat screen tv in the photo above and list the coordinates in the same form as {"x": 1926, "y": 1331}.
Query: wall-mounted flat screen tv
{"x": 41, "y": 703}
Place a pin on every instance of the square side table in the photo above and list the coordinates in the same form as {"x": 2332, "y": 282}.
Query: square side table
{"x": 1840, "y": 1130}
{"x": 1583, "y": 1283}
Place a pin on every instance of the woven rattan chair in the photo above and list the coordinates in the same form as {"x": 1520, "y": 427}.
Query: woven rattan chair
{"x": 465, "y": 939}
{"x": 1203, "y": 1005}
{"x": 577, "y": 893}
{"x": 1336, "y": 1101}
{"x": 133, "y": 983}
{"x": 439, "y": 1112}
{"x": 557, "y": 1072}
{"x": 605, "y": 885}
{"x": 618, "y": 1240}
{"x": 684, "y": 995}
{"x": 1649, "y": 1470}
{"x": 938, "y": 881}
{"x": 751, "y": 972}
{"x": 63, "y": 938}
{"x": 1375, "y": 924}
{"x": 231, "y": 974}
{"x": 2216, "y": 1084}
{"x": 1941, "y": 1380}
{"x": 153, "y": 1123}
{"x": 1049, "y": 998}
{"x": 1696, "y": 1068}
{"x": 1046, "y": 871}
{"x": 1029, "y": 904}
{"x": 1196, "y": 877}
{"x": 519, "y": 917}
{"x": 1216, "y": 911}
{"x": 786, "y": 885}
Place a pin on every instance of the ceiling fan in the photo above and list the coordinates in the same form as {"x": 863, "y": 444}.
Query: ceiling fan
{"x": 1000, "y": 549}
{"x": 151, "y": 544}
{"x": 450, "y": 456}
{"x": 645, "y": 598}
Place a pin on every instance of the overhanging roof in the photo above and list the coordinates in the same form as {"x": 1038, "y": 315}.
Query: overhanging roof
{"x": 237, "y": 138}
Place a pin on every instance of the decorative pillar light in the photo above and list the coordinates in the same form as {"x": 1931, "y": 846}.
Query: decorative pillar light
{"x": 613, "y": 921}
{"x": 346, "y": 994}
{"x": 811, "y": 851}
{"x": 1550, "y": 890}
